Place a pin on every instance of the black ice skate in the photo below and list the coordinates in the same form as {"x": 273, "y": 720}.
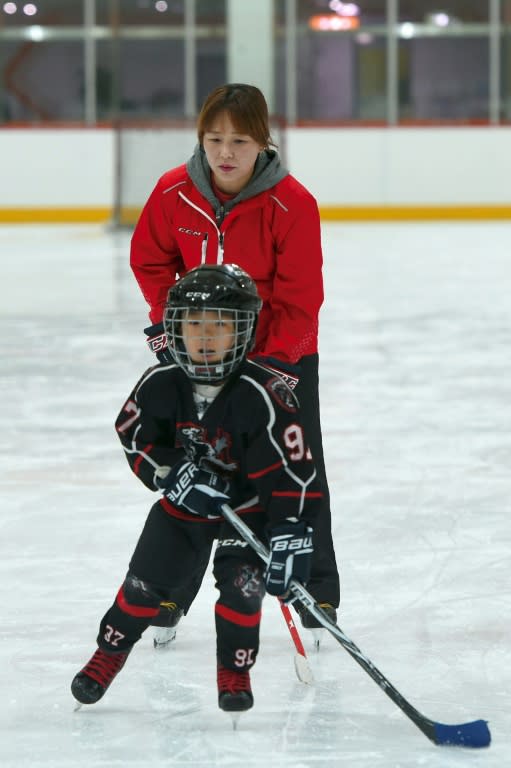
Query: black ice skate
{"x": 91, "y": 682}
{"x": 309, "y": 622}
{"x": 234, "y": 691}
{"x": 165, "y": 625}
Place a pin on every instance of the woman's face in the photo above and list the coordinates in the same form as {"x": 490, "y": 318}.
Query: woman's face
{"x": 231, "y": 155}
{"x": 207, "y": 335}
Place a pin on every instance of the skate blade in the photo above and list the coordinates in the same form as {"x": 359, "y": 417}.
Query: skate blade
{"x": 78, "y": 705}
{"x": 164, "y": 639}
{"x": 317, "y": 636}
{"x": 235, "y": 715}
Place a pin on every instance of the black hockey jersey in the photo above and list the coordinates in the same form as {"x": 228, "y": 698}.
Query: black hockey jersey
{"x": 250, "y": 433}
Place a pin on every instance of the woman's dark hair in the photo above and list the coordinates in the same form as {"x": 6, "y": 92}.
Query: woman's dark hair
{"x": 246, "y": 107}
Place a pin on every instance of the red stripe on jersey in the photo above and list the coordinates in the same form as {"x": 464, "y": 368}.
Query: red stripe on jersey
{"x": 265, "y": 471}
{"x": 298, "y": 495}
{"x": 136, "y": 465}
{"x": 134, "y": 610}
{"x": 241, "y": 619}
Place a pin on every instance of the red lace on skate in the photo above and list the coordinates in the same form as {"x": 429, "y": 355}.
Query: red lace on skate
{"x": 103, "y": 667}
{"x": 232, "y": 682}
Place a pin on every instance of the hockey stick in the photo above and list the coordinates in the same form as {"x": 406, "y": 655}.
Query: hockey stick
{"x": 473, "y": 734}
{"x": 302, "y": 666}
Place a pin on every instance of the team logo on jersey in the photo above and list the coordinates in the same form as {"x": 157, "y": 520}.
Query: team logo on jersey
{"x": 204, "y": 452}
{"x": 282, "y": 394}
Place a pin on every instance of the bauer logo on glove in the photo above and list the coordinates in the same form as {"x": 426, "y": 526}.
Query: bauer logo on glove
{"x": 290, "y": 556}
{"x": 192, "y": 489}
{"x": 183, "y": 482}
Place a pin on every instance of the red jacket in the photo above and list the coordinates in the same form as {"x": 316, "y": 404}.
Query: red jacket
{"x": 274, "y": 236}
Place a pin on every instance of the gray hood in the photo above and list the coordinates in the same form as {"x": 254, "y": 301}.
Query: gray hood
{"x": 267, "y": 172}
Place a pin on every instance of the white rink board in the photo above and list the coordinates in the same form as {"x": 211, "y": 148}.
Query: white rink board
{"x": 399, "y": 166}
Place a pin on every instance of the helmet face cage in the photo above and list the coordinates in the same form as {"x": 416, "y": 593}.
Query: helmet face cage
{"x": 209, "y": 343}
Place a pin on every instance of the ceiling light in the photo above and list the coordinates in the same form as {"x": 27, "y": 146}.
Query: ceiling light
{"x": 439, "y": 19}
{"x": 407, "y": 29}
{"x": 344, "y": 9}
{"x": 36, "y": 33}
{"x": 330, "y": 22}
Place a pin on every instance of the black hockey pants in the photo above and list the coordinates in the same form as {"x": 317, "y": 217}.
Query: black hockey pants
{"x": 169, "y": 555}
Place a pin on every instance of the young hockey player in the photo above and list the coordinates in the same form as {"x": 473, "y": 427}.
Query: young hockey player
{"x": 208, "y": 429}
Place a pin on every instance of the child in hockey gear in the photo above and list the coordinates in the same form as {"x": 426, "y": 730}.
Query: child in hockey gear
{"x": 234, "y": 201}
{"x": 210, "y": 428}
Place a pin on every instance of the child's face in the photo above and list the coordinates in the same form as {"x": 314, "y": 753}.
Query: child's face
{"x": 207, "y": 334}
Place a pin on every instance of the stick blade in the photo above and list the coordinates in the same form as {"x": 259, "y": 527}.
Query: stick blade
{"x": 475, "y": 734}
{"x": 303, "y": 670}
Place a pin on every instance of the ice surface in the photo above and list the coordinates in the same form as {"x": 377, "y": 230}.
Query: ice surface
{"x": 416, "y": 409}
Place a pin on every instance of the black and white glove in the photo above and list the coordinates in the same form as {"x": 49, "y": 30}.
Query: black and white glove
{"x": 287, "y": 371}
{"x": 192, "y": 489}
{"x": 157, "y": 342}
{"x": 290, "y": 556}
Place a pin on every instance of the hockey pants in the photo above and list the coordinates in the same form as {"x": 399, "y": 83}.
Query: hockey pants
{"x": 169, "y": 555}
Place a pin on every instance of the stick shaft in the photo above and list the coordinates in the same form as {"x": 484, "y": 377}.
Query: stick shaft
{"x": 473, "y": 734}
{"x": 426, "y": 726}
{"x": 292, "y": 629}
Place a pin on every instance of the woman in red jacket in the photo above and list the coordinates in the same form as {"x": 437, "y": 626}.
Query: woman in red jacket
{"x": 233, "y": 200}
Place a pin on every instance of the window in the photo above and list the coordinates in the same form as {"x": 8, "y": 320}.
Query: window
{"x": 371, "y": 61}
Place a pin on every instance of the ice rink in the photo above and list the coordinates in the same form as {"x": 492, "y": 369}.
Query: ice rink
{"x": 416, "y": 410}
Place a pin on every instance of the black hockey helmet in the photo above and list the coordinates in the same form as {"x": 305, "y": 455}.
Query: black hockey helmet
{"x": 222, "y": 288}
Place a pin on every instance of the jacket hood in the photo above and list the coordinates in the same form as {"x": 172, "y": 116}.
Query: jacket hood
{"x": 268, "y": 171}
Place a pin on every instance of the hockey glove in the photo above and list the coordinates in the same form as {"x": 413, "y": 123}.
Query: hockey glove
{"x": 157, "y": 342}
{"x": 193, "y": 490}
{"x": 287, "y": 371}
{"x": 290, "y": 557}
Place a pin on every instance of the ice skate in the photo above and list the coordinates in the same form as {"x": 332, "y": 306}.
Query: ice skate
{"x": 234, "y": 692}
{"x": 90, "y": 684}
{"x": 165, "y": 632}
{"x": 310, "y": 622}
{"x": 163, "y": 637}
